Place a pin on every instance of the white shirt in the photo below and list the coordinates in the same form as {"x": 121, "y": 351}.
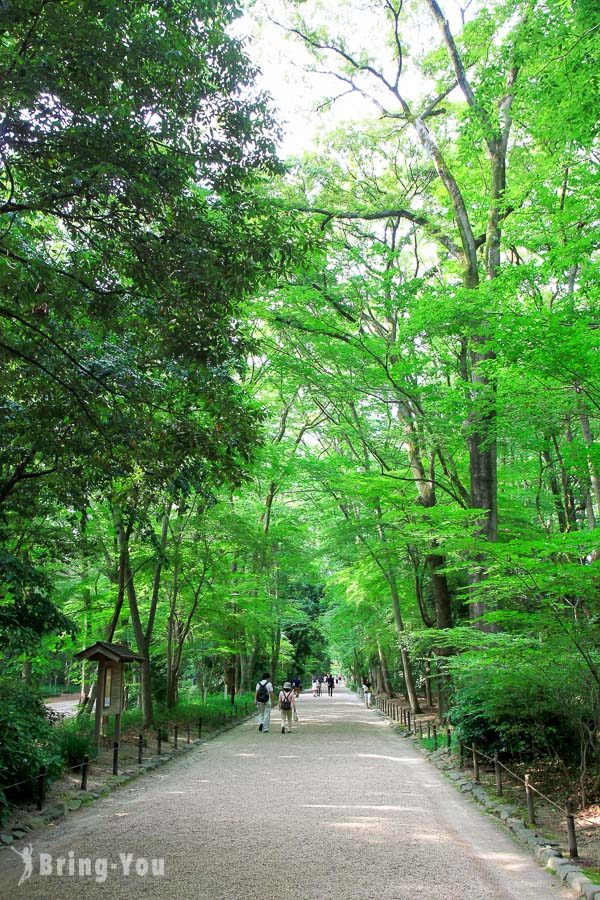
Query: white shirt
{"x": 268, "y": 684}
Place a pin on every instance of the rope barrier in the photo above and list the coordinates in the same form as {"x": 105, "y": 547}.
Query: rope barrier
{"x": 531, "y": 786}
{"x": 514, "y": 775}
{"x": 8, "y": 787}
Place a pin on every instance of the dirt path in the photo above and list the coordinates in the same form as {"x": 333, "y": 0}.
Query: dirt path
{"x": 341, "y": 809}
{"x": 65, "y": 704}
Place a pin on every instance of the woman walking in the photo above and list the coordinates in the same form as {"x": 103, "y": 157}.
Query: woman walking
{"x": 287, "y": 707}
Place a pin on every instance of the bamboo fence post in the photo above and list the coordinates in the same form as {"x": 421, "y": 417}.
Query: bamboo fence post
{"x": 529, "y": 795}
{"x": 498, "y": 772}
{"x": 475, "y": 763}
{"x": 572, "y": 837}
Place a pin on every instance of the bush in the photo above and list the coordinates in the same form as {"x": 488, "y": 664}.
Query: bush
{"x": 74, "y": 741}
{"x": 29, "y": 742}
{"x": 522, "y": 700}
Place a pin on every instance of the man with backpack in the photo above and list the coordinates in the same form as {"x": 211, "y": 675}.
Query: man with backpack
{"x": 287, "y": 707}
{"x": 264, "y": 701}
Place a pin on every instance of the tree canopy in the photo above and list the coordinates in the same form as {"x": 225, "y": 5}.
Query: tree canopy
{"x": 334, "y": 411}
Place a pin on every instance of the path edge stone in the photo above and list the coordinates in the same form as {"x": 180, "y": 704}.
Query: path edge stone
{"x": 546, "y": 853}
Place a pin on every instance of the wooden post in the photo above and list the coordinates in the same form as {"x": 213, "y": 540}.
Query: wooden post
{"x": 140, "y": 748}
{"x": 498, "y": 772}
{"x": 189, "y": 736}
{"x": 420, "y": 729}
{"x": 529, "y": 795}
{"x": 159, "y": 742}
{"x": 117, "y": 731}
{"x": 449, "y": 741}
{"x": 572, "y": 838}
{"x": 115, "y": 757}
{"x": 475, "y": 763}
{"x": 99, "y": 701}
{"x": 428, "y": 729}
{"x": 435, "y": 743}
{"x": 84, "y": 772}
{"x": 461, "y": 753}
{"x": 41, "y": 788}
{"x": 408, "y": 715}
{"x": 175, "y": 736}
{"x": 199, "y": 727}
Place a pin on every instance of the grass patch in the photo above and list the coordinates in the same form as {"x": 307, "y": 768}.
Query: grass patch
{"x": 592, "y": 873}
{"x": 214, "y": 712}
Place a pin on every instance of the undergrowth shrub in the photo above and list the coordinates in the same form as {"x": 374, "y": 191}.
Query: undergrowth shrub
{"x": 523, "y": 700}
{"x": 29, "y": 742}
{"x": 75, "y": 740}
{"x": 186, "y": 711}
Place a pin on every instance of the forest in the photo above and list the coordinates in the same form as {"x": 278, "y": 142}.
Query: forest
{"x": 331, "y": 410}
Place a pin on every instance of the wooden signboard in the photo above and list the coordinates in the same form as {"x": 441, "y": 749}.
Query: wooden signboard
{"x": 111, "y": 659}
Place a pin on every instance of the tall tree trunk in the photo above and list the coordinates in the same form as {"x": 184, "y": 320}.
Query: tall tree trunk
{"x": 411, "y": 690}
{"x": 275, "y": 649}
{"x": 584, "y": 485}
{"x": 387, "y": 690}
{"x": 140, "y": 637}
{"x": 569, "y": 499}
{"x": 441, "y": 591}
{"x": 589, "y": 442}
{"x": 555, "y": 490}
{"x": 26, "y": 671}
{"x": 428, "y": 695}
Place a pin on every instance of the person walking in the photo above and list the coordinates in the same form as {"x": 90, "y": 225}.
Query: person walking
{"x": 330, "y": 683}
{"x": 297, "y": 686}
{"x": 366, "y": 685}
{"x": 264, "y": 701}
{"x": 287, "y": 707}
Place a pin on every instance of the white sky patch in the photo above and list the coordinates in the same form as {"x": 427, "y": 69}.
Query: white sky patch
{"x": 299, "y": 94}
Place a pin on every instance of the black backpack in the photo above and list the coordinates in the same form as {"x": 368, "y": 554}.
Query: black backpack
{"x": 262, "y": 694}
{"x": 286, "y": 703}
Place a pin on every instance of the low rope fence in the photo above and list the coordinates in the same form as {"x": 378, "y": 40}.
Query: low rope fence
{"x": 394, "y": 710}
{"x": 222, "y": 720}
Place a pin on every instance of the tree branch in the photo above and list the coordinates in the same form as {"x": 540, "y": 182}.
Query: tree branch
{"x": 398, "y": 213}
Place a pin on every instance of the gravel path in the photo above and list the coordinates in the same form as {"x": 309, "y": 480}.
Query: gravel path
{"x": 66, "y": 706}
{"x": 341, "y": 809}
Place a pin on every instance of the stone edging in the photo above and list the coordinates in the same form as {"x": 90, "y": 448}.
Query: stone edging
{"x": 57, "y": 809}
{"x": 546, "y": 852}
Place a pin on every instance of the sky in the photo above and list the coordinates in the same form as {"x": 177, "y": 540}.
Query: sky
{"x": 284, "y": 62}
